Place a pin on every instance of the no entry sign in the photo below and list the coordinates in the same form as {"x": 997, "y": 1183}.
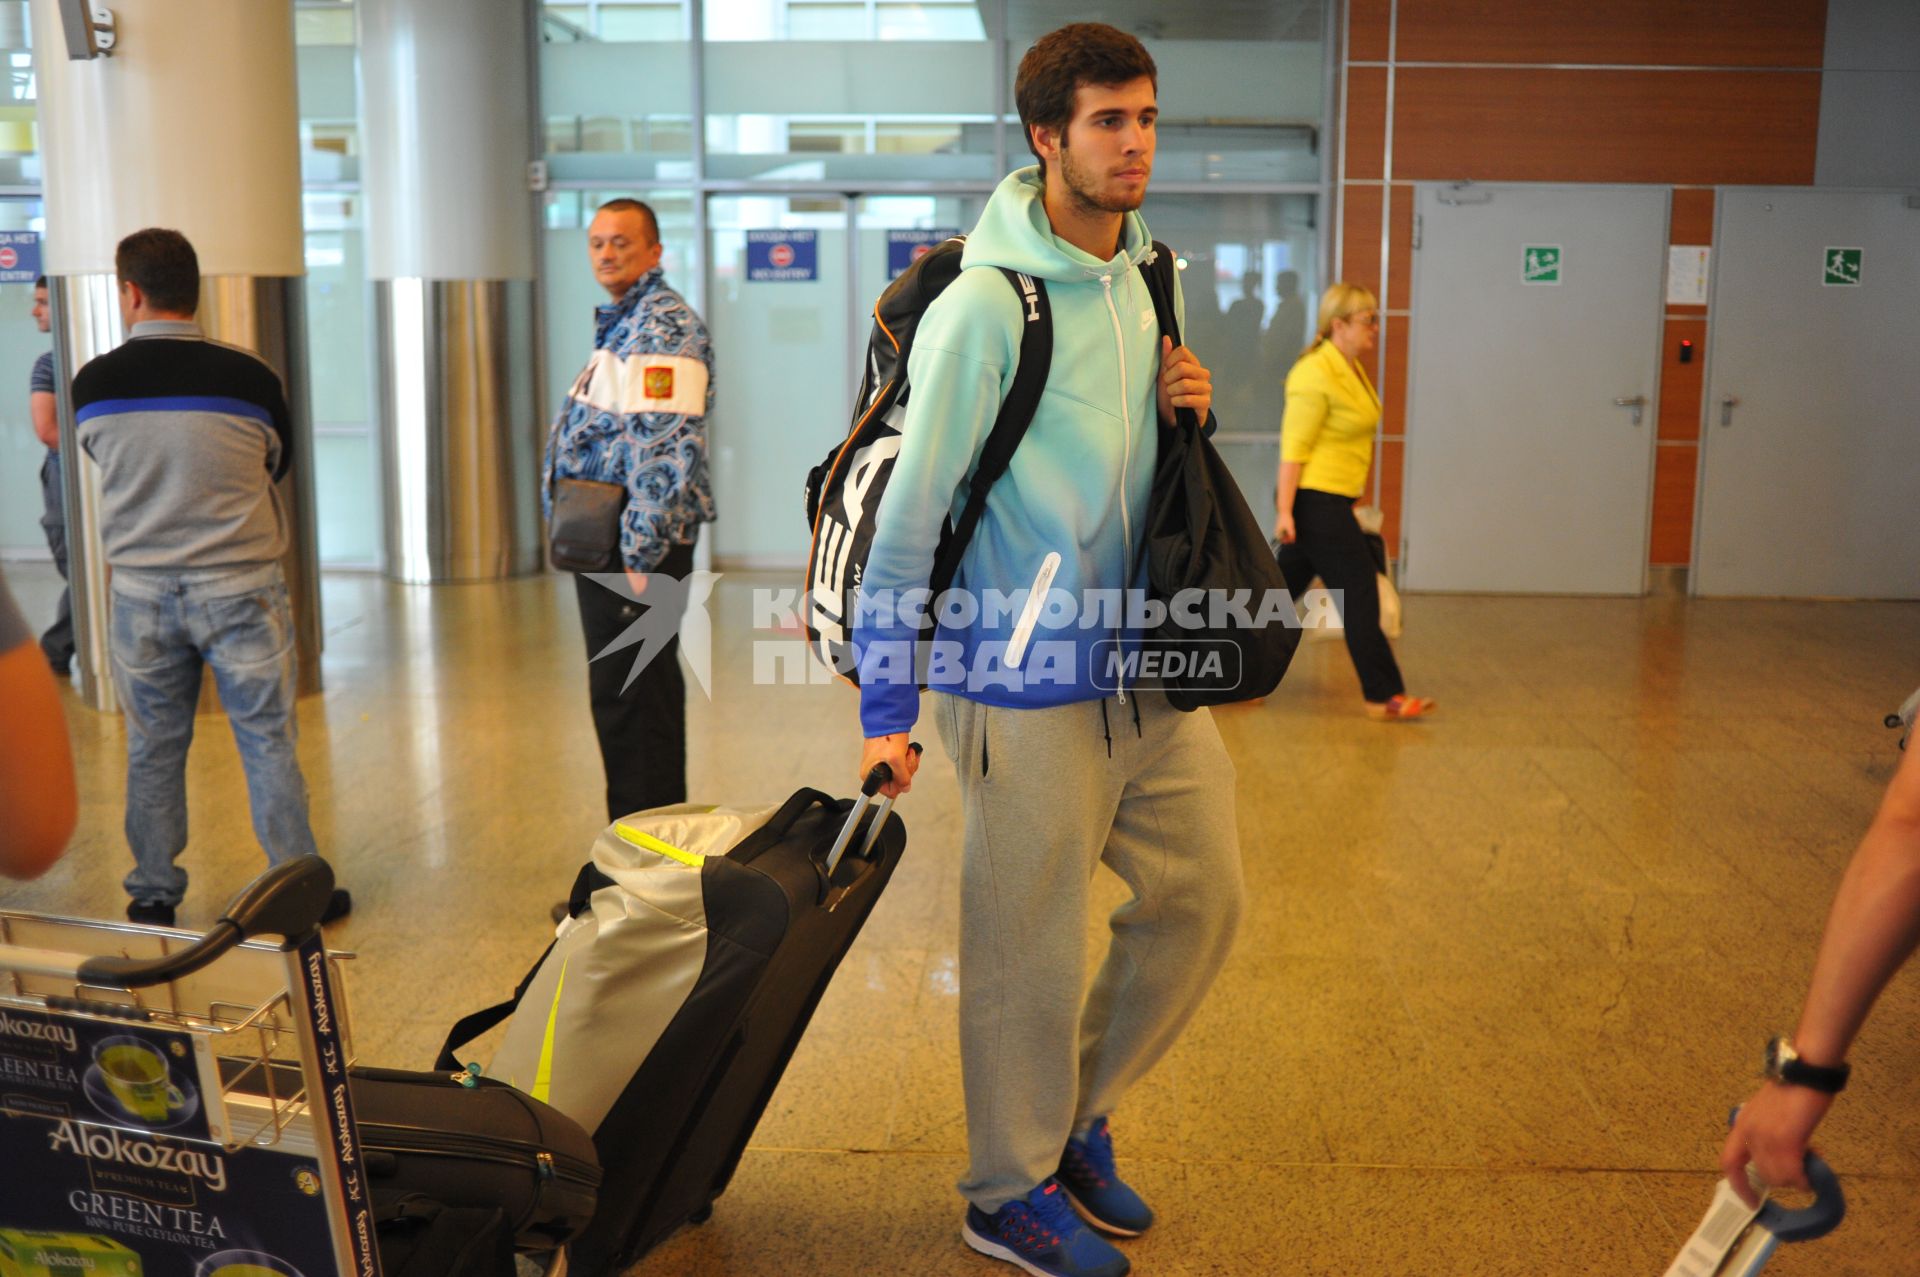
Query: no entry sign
{"x": 19, "y": 257}
{"x": 904, "y": 248}
{"x": 778, "y": 257}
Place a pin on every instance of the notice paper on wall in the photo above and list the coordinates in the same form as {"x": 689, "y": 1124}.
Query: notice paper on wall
{"x": 1687, "y": 275}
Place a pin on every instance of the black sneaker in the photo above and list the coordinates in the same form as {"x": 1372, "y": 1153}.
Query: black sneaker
{"x": 339, "y": 907}
{"x": 154, "y": 913}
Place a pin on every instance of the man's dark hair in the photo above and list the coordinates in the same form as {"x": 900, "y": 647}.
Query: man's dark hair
{"x": 1061, "y": 61}
{"x": 40, "y": 282}
{"x": 163, "y": 265}
{"x": 624, "y": 205}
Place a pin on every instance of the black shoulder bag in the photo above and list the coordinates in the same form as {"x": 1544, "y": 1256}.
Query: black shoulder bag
{"x": 1202, "y": 537}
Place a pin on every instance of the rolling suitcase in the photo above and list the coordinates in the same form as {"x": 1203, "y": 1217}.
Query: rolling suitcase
{"x": 699, "y": 942}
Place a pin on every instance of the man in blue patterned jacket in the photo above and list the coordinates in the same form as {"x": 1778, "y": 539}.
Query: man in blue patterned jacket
{"x": 636, "y": 417}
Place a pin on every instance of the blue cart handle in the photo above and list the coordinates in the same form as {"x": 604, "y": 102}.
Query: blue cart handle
{"x": 1817, "y": 1219}
{"x": 1828, "y": 1208}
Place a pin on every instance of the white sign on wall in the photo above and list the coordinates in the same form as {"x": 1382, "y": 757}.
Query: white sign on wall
{"x": 1687, "y": 275}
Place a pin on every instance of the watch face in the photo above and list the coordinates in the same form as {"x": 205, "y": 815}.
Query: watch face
{"x": 1780, "y": 1055}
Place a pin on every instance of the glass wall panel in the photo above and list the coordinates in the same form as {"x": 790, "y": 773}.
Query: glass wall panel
{"x": 346, "y": 454}
{"x": 1251, "y": 278}
{"x": 844, "y": 20}
{"x": 784, "y": 375}
{"x": 616, "y": 90}
{"x": 624, "y": 21}
{"x": 346, "y": 474}
{"x": 21, "y": 342}
{"x": 19, "y": 145}
{"x": 1243, "y": 104}
{"x": 329, "y": 113}
{"x": 880, "y": 91}
{"x": 323, "y": 22}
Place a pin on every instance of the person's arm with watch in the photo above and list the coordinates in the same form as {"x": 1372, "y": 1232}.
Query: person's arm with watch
{"x": 1873, "y": 927}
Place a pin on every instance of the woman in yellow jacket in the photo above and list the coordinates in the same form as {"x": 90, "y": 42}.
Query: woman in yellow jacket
{"x": 1326, "y": 449}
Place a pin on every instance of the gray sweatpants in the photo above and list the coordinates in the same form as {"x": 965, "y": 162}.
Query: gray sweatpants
{"x": 1040, "y": 1055}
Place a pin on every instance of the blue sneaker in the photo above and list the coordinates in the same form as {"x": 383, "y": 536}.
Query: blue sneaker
{"x": 1096, "y": 1190}
{"x": 1041, "y": 1233}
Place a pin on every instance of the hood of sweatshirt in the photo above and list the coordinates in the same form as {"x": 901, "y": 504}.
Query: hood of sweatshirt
{"x": 1014, "y": 232}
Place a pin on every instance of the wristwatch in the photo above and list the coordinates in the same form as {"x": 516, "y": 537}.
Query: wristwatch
{"x": 1784, "y": 1065}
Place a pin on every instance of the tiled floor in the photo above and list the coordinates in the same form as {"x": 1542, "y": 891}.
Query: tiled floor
{"x": 1502, "y": 977}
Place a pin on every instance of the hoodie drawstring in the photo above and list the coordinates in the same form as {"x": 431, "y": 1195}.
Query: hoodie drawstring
{"x": 1106, "y": 730}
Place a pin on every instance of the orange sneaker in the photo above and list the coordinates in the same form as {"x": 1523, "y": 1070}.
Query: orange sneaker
{"x": 1397, "y": 709}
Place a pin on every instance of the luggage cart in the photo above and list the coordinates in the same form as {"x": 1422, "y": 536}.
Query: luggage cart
{"x": 1736, "y": 1240}
{"x": 144, "y": 1130}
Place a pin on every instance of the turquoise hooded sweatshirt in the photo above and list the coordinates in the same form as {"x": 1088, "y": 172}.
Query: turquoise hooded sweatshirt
{"x": 1041, "y": 589}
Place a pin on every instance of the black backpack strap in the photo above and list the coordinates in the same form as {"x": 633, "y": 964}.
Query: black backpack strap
{"x": 469, "y": 1027}
{"x": 1160, "y": 285}
{"x": 1009, "y": 427}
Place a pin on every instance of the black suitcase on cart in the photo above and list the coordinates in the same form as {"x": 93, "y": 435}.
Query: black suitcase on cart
{"x": 448, "y": 1174}
{"x": 779, "y": 921}
{"x": 436, "y": 1144}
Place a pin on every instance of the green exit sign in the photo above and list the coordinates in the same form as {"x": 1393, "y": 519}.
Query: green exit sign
{"x": 1840, "y": 267}
{"x": 1541, "y": 264}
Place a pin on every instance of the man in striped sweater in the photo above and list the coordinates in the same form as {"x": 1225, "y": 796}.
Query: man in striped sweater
{"x": 191, "y": 437}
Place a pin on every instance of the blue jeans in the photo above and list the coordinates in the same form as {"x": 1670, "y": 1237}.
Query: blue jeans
{"x": 165, "y": 626}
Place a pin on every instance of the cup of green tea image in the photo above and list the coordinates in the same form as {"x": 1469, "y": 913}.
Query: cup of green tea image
{"x": 137, "y": 1076}
{"x": 244, "y": 1263}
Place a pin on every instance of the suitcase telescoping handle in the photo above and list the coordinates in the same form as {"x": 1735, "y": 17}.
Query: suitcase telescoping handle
{"x": 287, "y": 900}
{"x": 880, "y": 775}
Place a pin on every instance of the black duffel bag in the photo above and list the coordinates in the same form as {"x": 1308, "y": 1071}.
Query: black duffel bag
{"x": 1202, "y": 537}
{"x": 461, "y": 1143}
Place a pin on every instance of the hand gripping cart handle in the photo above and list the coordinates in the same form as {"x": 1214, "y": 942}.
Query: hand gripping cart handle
{"x": 135, "y": 1043}
{"x": 1736, "y": 1241}
{"x": 881, "y": 775}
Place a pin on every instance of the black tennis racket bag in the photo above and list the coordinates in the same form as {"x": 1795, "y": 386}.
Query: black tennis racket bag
{"x": 844, "y": 491}
{"x": 698, "y": 943}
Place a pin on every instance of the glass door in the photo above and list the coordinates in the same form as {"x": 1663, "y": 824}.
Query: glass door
{"x": 21, "y": 343}
{"x": 778, "y": 298}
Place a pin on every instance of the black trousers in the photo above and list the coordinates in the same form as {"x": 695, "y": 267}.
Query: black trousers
{"x": 1328, "y": 544}
{"x": 642, "y": 726}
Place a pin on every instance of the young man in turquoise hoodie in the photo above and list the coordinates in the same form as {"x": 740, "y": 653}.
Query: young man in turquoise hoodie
{"x": 1062, "y": 765}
